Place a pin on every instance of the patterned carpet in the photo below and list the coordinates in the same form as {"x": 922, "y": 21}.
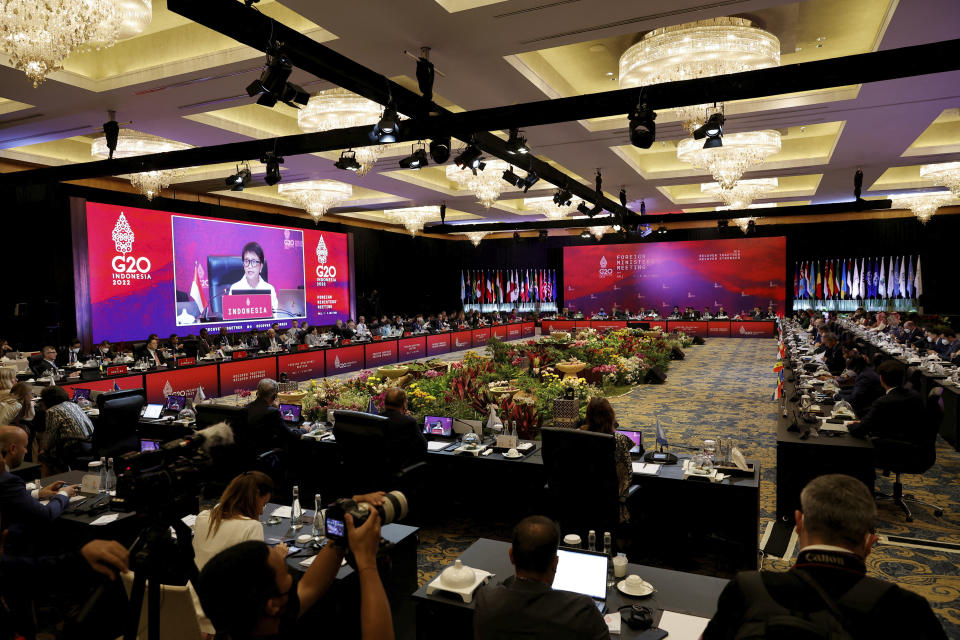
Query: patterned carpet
{"x": 723, "y": 389}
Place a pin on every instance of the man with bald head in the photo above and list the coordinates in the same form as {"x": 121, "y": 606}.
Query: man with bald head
{"x": 22, "y": 513}
{"x": 407, "y": 444}
{"x": 526, "y": 605}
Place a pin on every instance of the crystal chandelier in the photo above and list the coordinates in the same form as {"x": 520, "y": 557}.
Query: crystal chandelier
{"x": 597, "y": 232}
{"x": 697, "y": 50}
{"x": 945, "y": 174}
{"x": 549, "y": 208}
{"x": 476, "y": 236}
{"x": 340, "y": 109}
{"x": 133, "y": 143}
{"x": 923, "y": 205}
{"x": 38, "y": 36}
{"x": 486, "y": 185}
{"x": 761, "y": 205}
{"x": 316, "y": 196}
{"x": 740, "y": 195}
{"x": 740, "y": 153}
{"x": 744, "y": 223}
{"x": 413, "y": 218}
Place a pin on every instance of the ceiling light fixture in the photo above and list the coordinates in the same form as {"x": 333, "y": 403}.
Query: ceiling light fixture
{"x": 485, "y": 185}
{"x": 549, "y": 208}
{"x": 585, "y": 235}
{"x": 945, "y": 174}
{"x": 413, "y": 218}
{"x": 923, "y": 205}
{"x": 562, "y": 197}
{"x": 697, "y": 50}
{"x": 341, "y": 109}
{"x": 742, "y": 194}
{"x": 643, "y": 129}
{"x": 661, "y": 231}
{"x": 712, "y": 130}
{"x": 387, "y": 127}
{"x": 469, "y": 158}
{"x": 741, "y": 152}
{"x": 440, "y": 149}
{"x": 517, "y": 144}
{"x": 531, "y": 179}
{"x": 272, "y": 85}
{"x": 237, "y": 181}
{"x": 272, "y": 162}
{"x": 348, "y": 161}
{"x": 746, "y": 224}
{"x": 133, "y": 143}
{"x": 39, "y": 36}
{"x": 598, "y": 231}
{"x": 476, "y": 236}
{"x": 316, "y": 196}
{"x": 416, "y": 160}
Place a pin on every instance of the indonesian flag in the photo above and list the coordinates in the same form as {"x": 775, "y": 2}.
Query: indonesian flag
{"x": 197, "y": 291}
{"x": 489, "y": 287}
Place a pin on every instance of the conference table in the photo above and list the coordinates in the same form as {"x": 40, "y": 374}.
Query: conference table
{"x": 442, "y": 615}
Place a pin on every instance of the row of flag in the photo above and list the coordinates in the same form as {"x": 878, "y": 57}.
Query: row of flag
{"x": 500, "y": 286}
{"x": 778, "y": 367}
{"x": 849, "y": 279}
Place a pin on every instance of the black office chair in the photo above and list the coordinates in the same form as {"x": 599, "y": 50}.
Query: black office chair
{"x": 582, "y": 483}
{"x": 910, "y": 456}
{"x": 364, "y": 456}
{"x": 116, "y": 429}
{"x": 227, "y": 461}
{"x": 223, "y": 271}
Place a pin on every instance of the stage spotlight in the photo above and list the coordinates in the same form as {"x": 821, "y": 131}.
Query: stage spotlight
{"x": 440, "y": 149}
{"x": 562, "y": 197}
{"x": 469, "y": 157}
{"x": 111, "y": 132}
{"x": 751, "y": 227}
{"x": 237, "y": 181}
{"x": 661, "y": 231}
{"x": 585, "y": 235}
{"x": 644, "y": 230}
{"x": 543, "y": 234}
{"x": 723, "y": 224}
{"x": 416, "y": 160}
{"x": 516, "y": 236}
{"x": 511, "y": 178}
{"x": 584, "y": 209}
{"x": 443, "y": 213}
{"x": 712, "y": 130}
{"x": 273, "y": 162}
{"x": 531, "y": 179}
{"x": 643, "y": 129}
{"x": 617, "y": 228}
{"x": 348, "y": 161}
{"x": 517, "y": 144}
{"x": 386, "y": 130}
{"x": 857, "y": 178}
{"x": 272, "y": 86}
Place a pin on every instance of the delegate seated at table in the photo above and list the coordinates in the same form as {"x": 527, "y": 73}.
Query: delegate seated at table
{"x": 897, "y": 414}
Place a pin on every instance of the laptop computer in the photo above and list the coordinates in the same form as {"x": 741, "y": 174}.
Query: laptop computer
{"x": 290, "y": 413}
{"x": 439, "y": 432}
{"x": 174, "y": 403}
{"x": 81, "y": 394}
{"x": 636, "y": 437}
{"x": 153, "y": 411}
{"x": 147, "y": 444}
{"x": 582, "y": 572}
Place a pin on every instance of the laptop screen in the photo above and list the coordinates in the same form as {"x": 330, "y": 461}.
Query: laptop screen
{"x": 81, "y": 394}
{"x": 175, "y": 403}
{"x": 582, "y": 572}
{"x": 149, "y": 445}
{"x": 290, "y": 412}
{"x": 633, "y": 435}
{"x": 438, "y": 426}
{"x": 153, "y": 411}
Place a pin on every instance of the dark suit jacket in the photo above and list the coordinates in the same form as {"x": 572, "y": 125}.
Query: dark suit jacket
{"x": 40, "y": 366}
{"x": 912, "y": 337}
{"x": 898, "y": 414}
{"x": 267, "y": 428}
{"x": 22, "y": 514}
{"x": 407, "y": 442}
{"x": 866, "y": 389}
{"x": 265, "y": 341}
{"x": 833, "y": 359}
{"x": 144, "y": 353}
{"x": 203, "y": 347}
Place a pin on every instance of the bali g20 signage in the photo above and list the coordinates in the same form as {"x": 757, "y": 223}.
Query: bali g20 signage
{"x": 327, "y": 267}
{"x": 126, "y": 266}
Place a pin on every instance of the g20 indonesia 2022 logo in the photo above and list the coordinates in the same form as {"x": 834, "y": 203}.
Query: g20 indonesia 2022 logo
{"x": 325, "y": 272}
{"x": 605, "y": 272}
{"x": 127, "y": 267}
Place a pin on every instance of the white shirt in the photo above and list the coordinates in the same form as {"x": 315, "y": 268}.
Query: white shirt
{"x": 262, "y": 285}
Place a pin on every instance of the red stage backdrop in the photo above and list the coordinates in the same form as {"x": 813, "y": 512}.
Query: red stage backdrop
{"x": 738, "y": 274}
{"x": 148, "y": 272}
{"x": 306, "y": 365}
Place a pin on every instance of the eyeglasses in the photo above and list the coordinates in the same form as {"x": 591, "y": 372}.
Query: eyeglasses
{"x": 251, "y": 263}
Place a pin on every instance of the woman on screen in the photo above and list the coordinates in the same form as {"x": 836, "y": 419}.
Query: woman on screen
{"x": 253, "y": 261}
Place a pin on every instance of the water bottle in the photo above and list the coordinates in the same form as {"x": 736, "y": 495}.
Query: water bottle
{"x": 318, "y": 531}
{"x": 103, "y": 475}
{"x": 607, "y": 544}
{"x": 592, "y": 540}
{"x": 111, "y": 476}
{"x": 90, "y": 482}
{"x": 296, "y": 513}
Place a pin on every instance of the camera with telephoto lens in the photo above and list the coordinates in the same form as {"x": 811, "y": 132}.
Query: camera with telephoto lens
{"x": 394, "y": 508}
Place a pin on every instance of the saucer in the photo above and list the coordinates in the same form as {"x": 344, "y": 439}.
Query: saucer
{"x": 646, "y": 589}
{"x": 510, "y": 457}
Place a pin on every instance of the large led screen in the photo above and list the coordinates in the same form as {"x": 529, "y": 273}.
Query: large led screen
{"x": 161, "y": 272}
{"x": 737, "y": 274}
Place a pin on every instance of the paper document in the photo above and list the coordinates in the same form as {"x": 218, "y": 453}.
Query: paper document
{"x": 681, "y": 626}
{"x": 281, "y": 512}
{"x": 437, "y": 445}
{"x": 613, "y": 622}
{"x": 190, "y": 520}
{"x": 105, "y": 519}
{"x": 646, "y": 468}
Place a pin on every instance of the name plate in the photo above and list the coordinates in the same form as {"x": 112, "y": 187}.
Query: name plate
{"x": 117, "y": 370}
{"x": 303, "y": 347}
{"x": 246, "y": 307}
{"x": 186, "y": 362}
{"x": 239, "y": 355}
{"x": 506, "y": 442}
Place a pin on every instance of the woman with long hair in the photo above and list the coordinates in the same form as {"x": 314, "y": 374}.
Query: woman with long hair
{"x": 602, "y": 419}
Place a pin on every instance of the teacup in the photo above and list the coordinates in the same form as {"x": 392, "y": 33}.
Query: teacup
{"x": 572, "y": 540}
{"x": 513, "y": 453}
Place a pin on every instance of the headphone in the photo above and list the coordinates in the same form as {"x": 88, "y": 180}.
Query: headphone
{"x": 637, "y": 616}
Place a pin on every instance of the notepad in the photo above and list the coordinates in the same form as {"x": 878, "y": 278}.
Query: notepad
{"x": 281, "y": 512}
{"x": 681, "y": 626}
{"x": 105, "y": 519}
{"x": 646, "y": 468}
{"x": 437, "y": 445}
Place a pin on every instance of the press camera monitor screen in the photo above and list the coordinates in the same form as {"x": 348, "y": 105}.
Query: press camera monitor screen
{"x": 290, "y": 412}
{"x": 153, "y": 411}
{"x": 438, "y": 426}
{"x": 81, "y": 394}
{"x": 635, "y": 436}
{"x": 335, "y": 527}
{"x": 581, "y": 572}
{"x": 174, "y": 403}
{"x": 149, "y": 445}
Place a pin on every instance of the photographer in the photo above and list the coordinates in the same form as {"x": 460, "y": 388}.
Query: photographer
{"x": 247, "y": 590}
